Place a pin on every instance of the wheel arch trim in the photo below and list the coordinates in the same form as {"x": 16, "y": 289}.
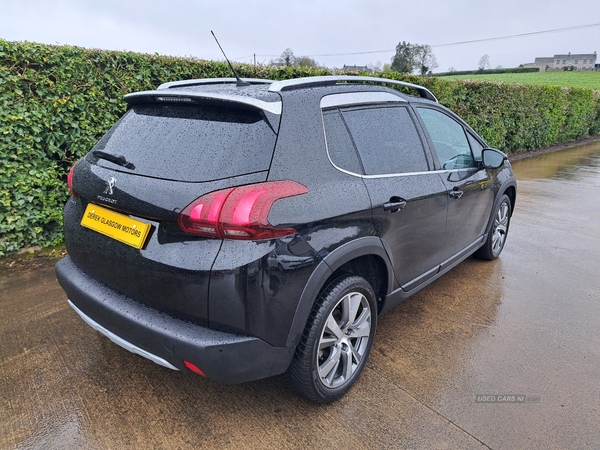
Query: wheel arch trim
{"x": 509, "y": 184}
{"x": 364, "y": 246}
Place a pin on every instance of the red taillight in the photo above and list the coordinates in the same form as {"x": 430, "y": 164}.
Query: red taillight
{"x": 193, "y": 368}
{"x": 70, "y": 182}
{"x": 202, "y": 216}
{"x": 239, "y": 213}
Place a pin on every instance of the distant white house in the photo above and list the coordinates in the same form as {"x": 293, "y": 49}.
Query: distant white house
{"x": 543, "y": 63}
{"x": 579, "y": 61}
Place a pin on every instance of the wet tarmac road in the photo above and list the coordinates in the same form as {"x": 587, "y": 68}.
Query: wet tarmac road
{"x": 527, "y": 324}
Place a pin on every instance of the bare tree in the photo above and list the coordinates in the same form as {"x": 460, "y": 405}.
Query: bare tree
{"x": 306, "y": 61}
{"x": 425, "y": 60}
{"x": 375, "y": 67}
{"x": 288, "y": 58}
{"x": 484, "y": 62}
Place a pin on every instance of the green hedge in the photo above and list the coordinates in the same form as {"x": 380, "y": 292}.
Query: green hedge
{"x": 514, "y": 117}
{"x": 57, "y": 101}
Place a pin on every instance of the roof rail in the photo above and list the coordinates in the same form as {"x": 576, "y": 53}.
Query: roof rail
{"x": 298, "y": 83}
{"x": 201, "y": 81}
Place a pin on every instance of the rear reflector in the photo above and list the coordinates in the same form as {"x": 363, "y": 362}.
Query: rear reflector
{"x": 240, "y": 212}
{"x": 70, "y": 182}
{"x": 193, "y": 368}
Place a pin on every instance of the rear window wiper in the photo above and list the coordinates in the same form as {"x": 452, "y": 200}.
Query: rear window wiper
{"x": 117, "y": 159}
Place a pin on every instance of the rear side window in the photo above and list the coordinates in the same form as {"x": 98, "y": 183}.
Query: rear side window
{"x": 386, "y": 139}
{"x": 184, "y": 143}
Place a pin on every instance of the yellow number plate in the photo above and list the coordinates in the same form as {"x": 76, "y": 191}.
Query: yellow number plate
{"x": 117, "y": 226}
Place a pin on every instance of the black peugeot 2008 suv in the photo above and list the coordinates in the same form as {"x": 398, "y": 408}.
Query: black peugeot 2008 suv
{"x": 240, "y": 232}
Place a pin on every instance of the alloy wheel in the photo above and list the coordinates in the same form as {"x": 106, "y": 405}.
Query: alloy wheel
{"x": 344, "y": 340}
{"x": 500, "y": 227}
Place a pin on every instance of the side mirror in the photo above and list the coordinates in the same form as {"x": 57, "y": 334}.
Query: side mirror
{"x": 492, "y": 158}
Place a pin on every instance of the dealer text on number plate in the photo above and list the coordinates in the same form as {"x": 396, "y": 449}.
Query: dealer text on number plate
{"x": 117, "y": 226}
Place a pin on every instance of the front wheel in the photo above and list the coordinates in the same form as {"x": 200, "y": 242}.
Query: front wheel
{"x": 497, "y": 237}
{"x": 337, "y": 340}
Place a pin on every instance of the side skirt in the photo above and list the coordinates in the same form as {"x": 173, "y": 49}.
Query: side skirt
{"x": 396, "y": 297}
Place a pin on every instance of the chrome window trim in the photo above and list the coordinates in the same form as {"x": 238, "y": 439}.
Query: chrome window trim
{"x": 359, "y": 99}
{"x": 386, "y": 175}
{"x": 329, "y": 156}
{"x": 395, "y": 175}
{"x": 389, "y": 175}
{"x": 359, "y": 175}
{"x": 272, "y": 107}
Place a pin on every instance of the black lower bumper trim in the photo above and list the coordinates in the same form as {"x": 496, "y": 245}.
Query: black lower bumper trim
{"x": 223, "y": 357}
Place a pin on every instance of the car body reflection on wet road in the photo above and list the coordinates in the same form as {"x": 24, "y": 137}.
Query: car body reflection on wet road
{"x": 523, "y": 326}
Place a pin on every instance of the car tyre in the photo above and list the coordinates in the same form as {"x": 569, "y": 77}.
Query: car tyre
{"x": 337, "y": 340}
{"x": 497, "y": 236}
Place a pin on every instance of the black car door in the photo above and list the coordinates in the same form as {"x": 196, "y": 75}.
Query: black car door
{"x": 408, "y": 200}
{"x": 469, "y": 187}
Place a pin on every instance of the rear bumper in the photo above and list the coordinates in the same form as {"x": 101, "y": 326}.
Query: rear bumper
{"x": 223, "y": 357}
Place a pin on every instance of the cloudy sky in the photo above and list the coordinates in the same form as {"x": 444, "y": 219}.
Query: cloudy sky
{"x": 333, "y": 32}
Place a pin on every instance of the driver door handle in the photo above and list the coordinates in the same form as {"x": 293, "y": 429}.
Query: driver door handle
{"x": 455, "y": 193}
{"x": 394, "y": 206}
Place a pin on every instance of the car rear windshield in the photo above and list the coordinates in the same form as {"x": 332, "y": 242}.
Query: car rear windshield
{"x": 190, "y": 143}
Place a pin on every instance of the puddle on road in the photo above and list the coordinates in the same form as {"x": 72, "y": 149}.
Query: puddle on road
{"x": 562, "y": 164}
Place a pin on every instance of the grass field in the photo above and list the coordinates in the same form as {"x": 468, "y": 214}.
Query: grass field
{"x": 590, "y": 80}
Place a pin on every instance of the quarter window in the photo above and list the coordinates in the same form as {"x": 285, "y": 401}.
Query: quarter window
{"x": 476, "y": 147}
{"x": 339, "y": 144}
